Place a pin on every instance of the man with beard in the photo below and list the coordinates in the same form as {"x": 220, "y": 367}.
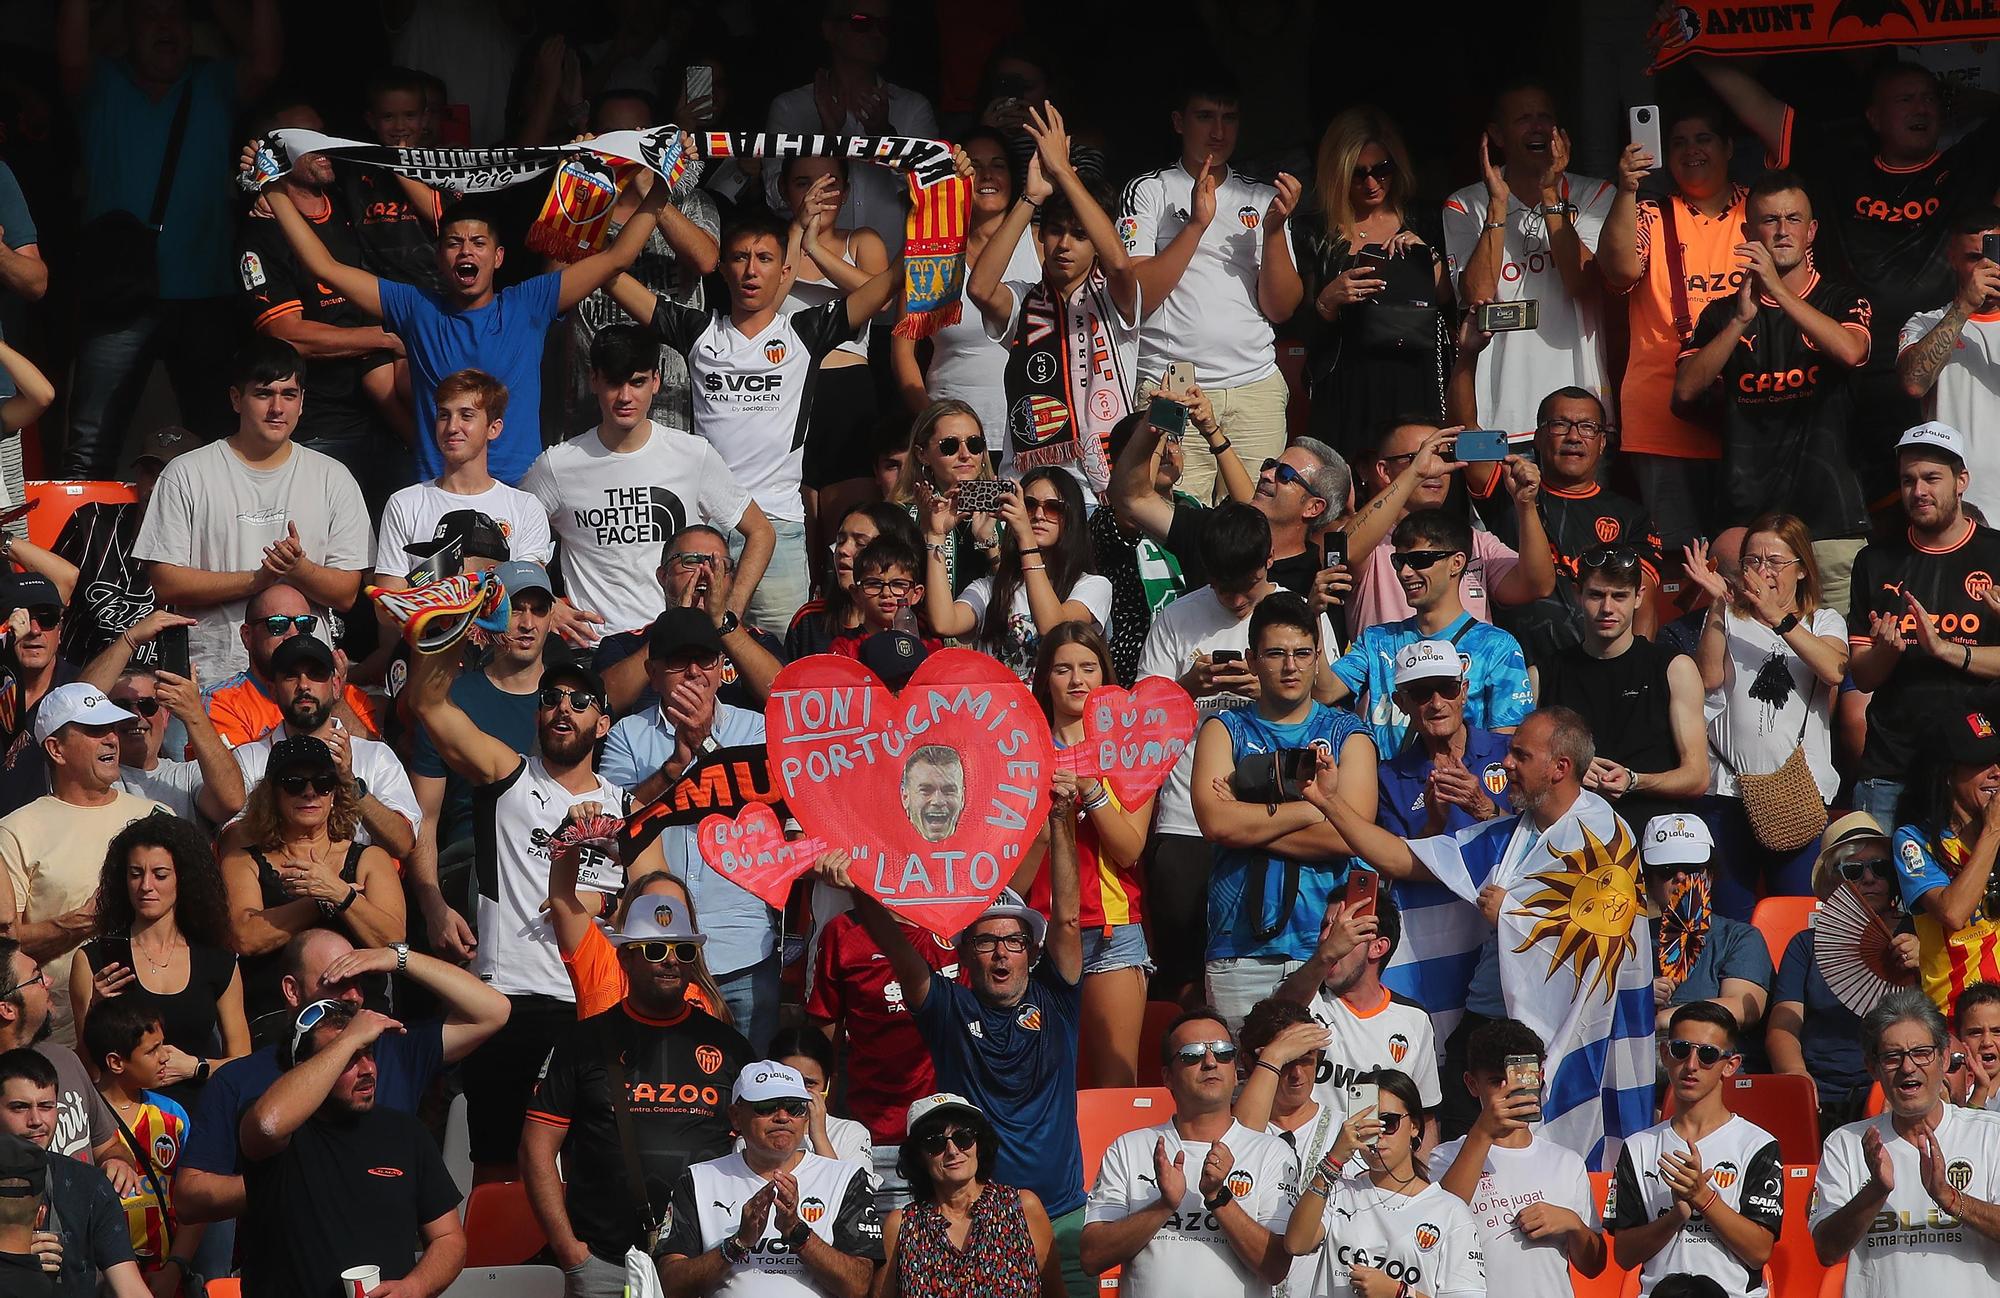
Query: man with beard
{"x": 84, "y": 1127}
{"x": 602, "y": 1204}
{"x": 244, "y": 706}
{"x": 934, "y": 791}
{"x": 518, "y": 803}
{"x": 303, "y": 675}
{"x": 53, "y": 848}
{"x": 34, "y": 626}
{"x": 334, "y": 1181}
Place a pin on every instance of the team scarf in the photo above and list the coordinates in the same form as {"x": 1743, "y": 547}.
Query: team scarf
{"x": 1065, "y": 389}
{"x": 577, "y": 209}
{"x": 1792, "y": 27}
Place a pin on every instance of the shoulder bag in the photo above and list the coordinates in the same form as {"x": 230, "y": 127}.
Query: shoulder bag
{"x": 120, "y": 276}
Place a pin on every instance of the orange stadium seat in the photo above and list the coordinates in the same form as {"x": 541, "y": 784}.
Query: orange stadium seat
{"x": 1105, "y": 1114}
{"x": 1610, "y": 1282}
{"x": 1795, "y": 1268}
{"x": 500, "y": 1228}
{"x": 1778, "y": 919}
{"x": 1784, "y": 1104}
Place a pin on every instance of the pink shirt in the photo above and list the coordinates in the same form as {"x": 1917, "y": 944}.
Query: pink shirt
{"x": 1378, "y": 596}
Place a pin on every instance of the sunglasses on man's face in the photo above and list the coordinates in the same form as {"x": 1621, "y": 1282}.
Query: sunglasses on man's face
{"x": 1708, "y": 1056}
{"x": 296, "y": 785}
{"x": 1382, "y": 170}
{"x": 1854, "y": 868}
{"x": 658, "y": 952}
{"x": 796, "y": 1108}
{"x": 46, "y": 616}
{"x": 1285, "y": 475}
{"x": 147, "y": 706}
{"x": 1418, "y": 559}
{"x": 958, "y": 1138}
{"x": 1422, "y": 692}
{"x": 554, "y": 696}
{"x": 1193, "y": 1051}
{"x": 285, "y": 623}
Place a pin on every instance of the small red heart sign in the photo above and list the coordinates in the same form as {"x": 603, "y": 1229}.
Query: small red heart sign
{"x": 751, "y": 852}
{"x": 936, "y": 791}
{"x": 1132, "y": 738}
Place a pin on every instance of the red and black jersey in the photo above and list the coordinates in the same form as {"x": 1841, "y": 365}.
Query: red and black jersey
{"x": 1575, "y": 520}
{"x": 1786, "y": 410}
{"x": 1948, "y": 582}
{"x": 398, "y": 240}
{"x": 678, "y": 1074}
{"x": 276, "y": 285}
{"x": 1884, "y": 228}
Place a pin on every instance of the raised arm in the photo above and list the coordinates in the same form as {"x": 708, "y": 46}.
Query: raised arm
{"x": 1160, "y": 273}
{"x": 222, "y": 791}
{"x": 269, "y": 1123}
{"x": 1370, "y": 525}
{"x": 582, "y": 278}
{"x": 359, "y": 287}
{"x": 1618, "y": 245}
{"x": 1757, "y": 108}
{"x": 985, "y": 283}
{"x": 33, "y": 393}
{"x": 1390, "y": 855}
{"x": 1064, "y": 944}
{"x": 904, "y": 960}
{"x": 1479, "y": 280}
{"x": 474, "y": 1011}
{"x": 1121, "y": 269}
{"x": 1134, "y": 502}
{"x": 1535, "y": 575}
{"x": 467, "y": 749}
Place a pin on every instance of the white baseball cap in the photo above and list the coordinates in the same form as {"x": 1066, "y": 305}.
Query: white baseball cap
{"x": 1934, "y": 436}
{"x": 942, "y": 1102}
{"x": 1011, "y": 905}
{"x": 1426, "y": 660}
{"x": 767, "y": 1079}
{"x": 1678, "y": 839}
{"x": 78, "y": 702}
{"x": 654, "y": 918}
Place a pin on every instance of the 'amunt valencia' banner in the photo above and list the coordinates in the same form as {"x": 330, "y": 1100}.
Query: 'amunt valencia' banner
{"x": 1802, "y": 26}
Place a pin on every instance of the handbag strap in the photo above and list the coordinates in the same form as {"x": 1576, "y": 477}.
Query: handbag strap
{"x": 1811, "y": 692}
{"x": 152, "y": 1175}
{"x": 628, "y": 1145}
{"x": 1677, "y": 286}
{"x": 176, "y": 136}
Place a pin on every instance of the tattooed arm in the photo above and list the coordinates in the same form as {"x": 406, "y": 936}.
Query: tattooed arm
{"x": 1922, "y": 361}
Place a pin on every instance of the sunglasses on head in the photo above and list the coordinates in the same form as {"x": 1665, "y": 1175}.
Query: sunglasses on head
{"x": 796, "y": 1108}
{"x": 1380, "y": 171}
{"x": 1616, "y": 556}
{"x": 657, "y": 952}
{"x": 1285, "y": 474}
{"x": 295, "y": 785}
{"x": 950, "y": 445}
{"x": 1425, "y": 691}
{"x": 1708, "y": 1055}
{"x": 284, "y": 623}
{"x": 1192, "y": 1052}
{"x": 145, "y": 707}
{"x": 957, "y": 1137}
{"x": 46, "y": 616}
{"x": 554, "y": 696}
{"x": 308, "y": 1019}
{"x": 1418, "y": 559}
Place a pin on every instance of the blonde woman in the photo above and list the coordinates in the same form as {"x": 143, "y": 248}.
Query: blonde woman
{"x": 1377, "y": 294}
{"x": 949, "y": 448}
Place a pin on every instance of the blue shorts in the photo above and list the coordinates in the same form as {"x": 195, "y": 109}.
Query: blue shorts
{"x": 1122, "y": 946}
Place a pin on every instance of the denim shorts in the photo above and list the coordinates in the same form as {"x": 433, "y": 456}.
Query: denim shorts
{"x": 1122, "y": 946}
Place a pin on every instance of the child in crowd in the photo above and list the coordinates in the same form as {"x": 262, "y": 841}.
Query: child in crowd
{"x": 124, "y": 1039}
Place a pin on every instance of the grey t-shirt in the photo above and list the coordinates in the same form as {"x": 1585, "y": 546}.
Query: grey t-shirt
{"x": 83, "y": 1119}
{"x": 212, "y": 511}
{"x": 661, "y": 272}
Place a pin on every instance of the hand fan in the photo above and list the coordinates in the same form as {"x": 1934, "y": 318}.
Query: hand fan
{"x": 1855, "y": 953}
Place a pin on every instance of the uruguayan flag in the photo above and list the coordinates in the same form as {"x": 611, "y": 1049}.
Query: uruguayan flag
{"x": 1575, "y": 959}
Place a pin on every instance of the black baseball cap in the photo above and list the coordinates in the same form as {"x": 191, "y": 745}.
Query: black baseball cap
{"x": 482, "y": 536}
{"x": 682, "y": 628}
{"x": 29, "y": 590}
{"x": 24, "y": 1167}
{"x": 298, "y": 755}
{"x": 300, "y": 649}
{"x": 893, "y": 656}
{"x": 1972, "y": 739}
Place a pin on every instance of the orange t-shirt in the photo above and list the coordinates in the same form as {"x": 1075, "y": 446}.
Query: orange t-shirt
{"x": 1648, "y": 424}
{"x": 244, "y": 714}
{"x": 599, "y": 983}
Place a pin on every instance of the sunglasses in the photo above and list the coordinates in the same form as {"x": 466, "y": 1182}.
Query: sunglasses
{"x": 318, "y": 673}
{"x": 1043, "y": 506}
{"x": 957, "y": 1137}
{"x": 1285, "y": 474}
{"x": 1192, "y": 1052}
{"x": 46, "y": 616}
{"x": 146, "y": 707}
{"x": 1391, "y": 1122}
{"x": 308, "y": 1019}
{"x": 680, "y": 662}
{"x": 1709, "y": 1056}
{"x": 1425, "y": 691}
{"x": 1853, "y": 868}
{"x": 1419, "y": 559}
{"x": 950, "y": 445}
{"x": 1380, "y": 171}
{"x": 554, "y": 696}
{"x": 657, "y": 952}
{"x": 295, "y": 785}
{"x": 285, "y": 623}
{"x": 796, "y": 1108}
{"x": 1616, "y": 556}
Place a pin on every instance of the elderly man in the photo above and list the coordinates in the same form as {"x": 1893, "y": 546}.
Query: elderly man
{"x": 1452, "y": 775}
{"x": 1006, "y": 1039}
{"x": 53, "y": 848}
{"x": 1910, "y": 1198}
{"x": 155, "y": 698}
{"x": 614, "y": 1195}
{"x": 738, "y": 1221}
{"x": 337, "y": 1180}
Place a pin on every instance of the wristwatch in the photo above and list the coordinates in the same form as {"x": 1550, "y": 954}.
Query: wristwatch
{"x": 360, "y": 789}
{"x": 402, "y": 950}
{"x": 797, "y": 1235}
{"x": 1222, "y": 1196}
{"x": 729, "y": 623}
{"x": 201, "y": 1070}
{"x": 732, "y": 1252}
{"x": 1784, "y": 625}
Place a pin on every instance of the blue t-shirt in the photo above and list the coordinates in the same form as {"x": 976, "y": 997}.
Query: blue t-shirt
{"x": 1733, "y": 949}
{"x": 1829, "y": 1033}
{"x": 124, "y": 133}
{"x": 1018, "y": 1065}
{"x": 19, "y": 226}
{"x": 90, "y": 1222}
{"x": 509, "y": 718}
{"x": 1232, "y": 923}
{"x": 405, "y": 1063}
{"x": 1496, "y": 676}
{"x": 1401, "y": 781}
{"x": 503, "y": 338}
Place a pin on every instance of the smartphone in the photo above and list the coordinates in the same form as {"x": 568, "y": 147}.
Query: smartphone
{"x": 982, "y": 495}
{"x": 1363, "y": 886}
{"x": 1524, "y": 1076}
{"x": 1373, "y": 258}
{"x": 1480, "y": 446}
{"x": 1178, "y": 382}
{"x": 173, "y": 647}
{"x": 1297, "y": 767}
{"x": 1989, "y": 247}
{"x": 1363, "y": 1095}
{"x": 1645, "y": 121}
{"x": 1221, "y": 656}
{"x": 1332, "y": 549}
{"x": 1506, "y": 317}
{"x": 1169, "y": 416}
{"x": 698, "y": 83}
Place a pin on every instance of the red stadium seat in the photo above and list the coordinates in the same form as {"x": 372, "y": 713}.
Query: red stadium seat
{"x": 1783, "y": 1104}
{"x": 227, "y": 1286}
{"x": 1795, "y": 1268}
{"x": 500, "y": 1228}
{"x": 1779, "y": 919}
{"x": 1104, "y": 1115}
{"x": 1610, "y": 1282}
{"x": 1876, "y": 1101}
{"x": 1154, "y": 1031}
{"x": 55, "y": 501}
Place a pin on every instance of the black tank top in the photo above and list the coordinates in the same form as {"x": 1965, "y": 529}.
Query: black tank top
{"x": 1627, "y": 704}
{"x": 261, "y": 993}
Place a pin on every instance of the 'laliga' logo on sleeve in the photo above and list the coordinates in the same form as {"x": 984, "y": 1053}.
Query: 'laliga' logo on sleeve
{"x": 1913, "y": 857}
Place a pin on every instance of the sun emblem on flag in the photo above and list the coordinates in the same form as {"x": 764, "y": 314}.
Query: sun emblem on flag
{"x": 1586, "y": 905}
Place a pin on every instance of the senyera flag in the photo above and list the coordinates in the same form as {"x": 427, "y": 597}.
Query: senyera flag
{"x": 1808, "y": 26}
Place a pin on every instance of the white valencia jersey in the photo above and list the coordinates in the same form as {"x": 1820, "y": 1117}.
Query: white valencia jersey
{"x": 1913, "y": 1247}
{"x": 1425, "y": 1240}
{"x": 1513, "y": 1179}
{"x": 1212, "y": 317}
{"x": 1566, "y": 348}
{"x": 1396, "y": 1034}
{"x": 1748, "y": 1176}
{"x": 1191, "y": 1255}
{"x": 836, "y": 1199}
{"x": 511, "y": 824}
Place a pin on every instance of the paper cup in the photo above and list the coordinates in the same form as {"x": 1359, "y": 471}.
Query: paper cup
{"x": 356, "y": 1281}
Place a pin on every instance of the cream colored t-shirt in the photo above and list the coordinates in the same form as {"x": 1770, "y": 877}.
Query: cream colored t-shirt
{"x": 54, "y": 851}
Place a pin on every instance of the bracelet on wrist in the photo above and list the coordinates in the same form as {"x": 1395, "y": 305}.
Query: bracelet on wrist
{"x": 1027, "y": 550}
{"x": 1217, "y": 450}
{"x": 1275, "y": 1070}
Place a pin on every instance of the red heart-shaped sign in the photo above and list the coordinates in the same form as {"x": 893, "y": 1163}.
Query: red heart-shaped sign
{"x": 1132, "y": 738}
{"x": 751, "y": 852}
{"x": 936, "y": 791}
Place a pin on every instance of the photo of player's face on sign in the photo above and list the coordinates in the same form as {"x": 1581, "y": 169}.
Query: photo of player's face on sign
{"x": 934, "y": 791}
